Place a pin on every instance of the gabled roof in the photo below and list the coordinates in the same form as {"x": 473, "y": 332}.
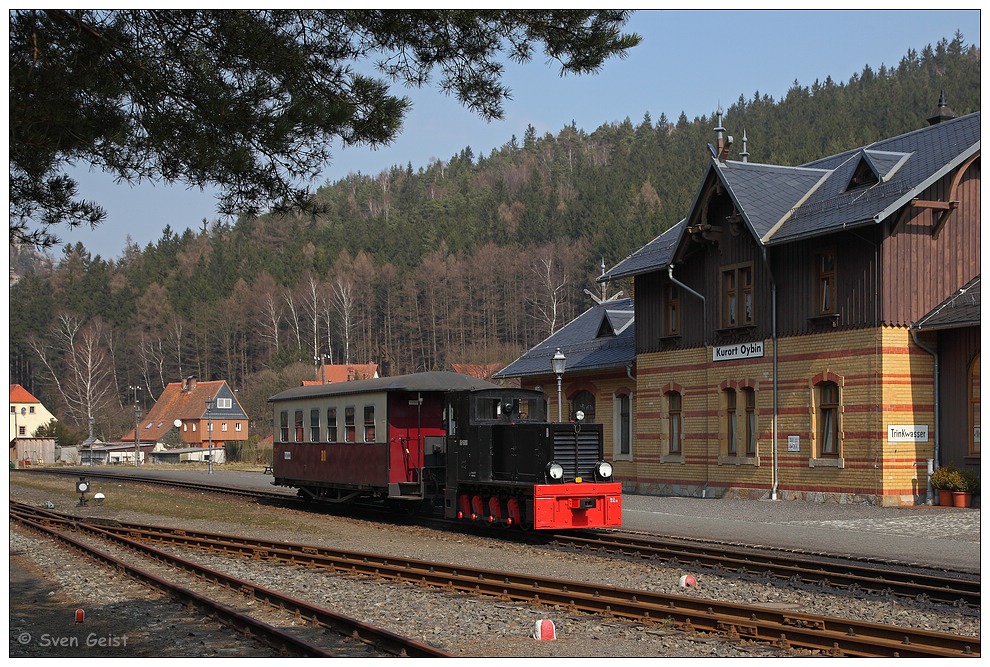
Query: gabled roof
{"x": 186, "y": 401}
{"x": 784, "y": 204}
{"x": 600, "y": 338}
{"x": 962, "y": 309}
{"x": 19, "y": 394}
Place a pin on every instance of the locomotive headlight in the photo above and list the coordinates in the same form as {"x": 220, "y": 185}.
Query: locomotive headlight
{"x": 555, "y": 471}
{"x": 604, "y": 469}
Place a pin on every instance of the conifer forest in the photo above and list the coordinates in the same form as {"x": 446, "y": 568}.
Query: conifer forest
{"x": 472, "y": 259}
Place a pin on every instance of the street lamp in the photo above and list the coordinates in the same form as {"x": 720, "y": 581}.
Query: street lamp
{"x": 209, "y": 429}
{"x": 137, "y": 435}
{"x": 557, "y": 363}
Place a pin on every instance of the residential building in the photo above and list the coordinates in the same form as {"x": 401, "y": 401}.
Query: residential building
{"x": 327, "y": 373}
{"x": 26, "y": 413}
{"x": 200, "y": 412}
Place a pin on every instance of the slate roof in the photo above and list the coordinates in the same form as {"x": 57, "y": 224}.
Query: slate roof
{"x": 432, "y": 381}
{"x": 600, "y": 338}
{"x": 785, "y": 204}
{"x": 962, "y": 309}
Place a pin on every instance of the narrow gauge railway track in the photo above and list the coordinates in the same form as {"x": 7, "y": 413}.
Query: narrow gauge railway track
{"x": 839, "y": 637}
{"x": 346, "y": 637}
{"x": 871, "y": 578}
{"x": 842, "y": 574}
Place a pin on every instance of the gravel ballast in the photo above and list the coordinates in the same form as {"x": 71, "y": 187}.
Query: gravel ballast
{"x": 462, "y": 625}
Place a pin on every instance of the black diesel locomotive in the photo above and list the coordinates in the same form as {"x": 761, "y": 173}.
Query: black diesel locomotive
{"x": 444, "y": 441}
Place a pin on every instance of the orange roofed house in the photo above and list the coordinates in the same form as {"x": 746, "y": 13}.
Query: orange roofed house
{"x": 329, "y": 373}
{"x": 198, "y": 407}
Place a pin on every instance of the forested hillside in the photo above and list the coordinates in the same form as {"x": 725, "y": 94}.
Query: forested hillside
{"x": 471, "y": 259}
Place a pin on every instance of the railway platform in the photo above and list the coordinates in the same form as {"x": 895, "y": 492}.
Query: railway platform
{"x": 930, "y": 536}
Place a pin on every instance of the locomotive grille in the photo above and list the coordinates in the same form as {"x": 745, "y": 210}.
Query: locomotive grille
{"x": 577, "y": 452}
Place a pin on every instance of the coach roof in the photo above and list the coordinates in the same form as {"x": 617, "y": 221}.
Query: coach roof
{"x": 432, "y": 381}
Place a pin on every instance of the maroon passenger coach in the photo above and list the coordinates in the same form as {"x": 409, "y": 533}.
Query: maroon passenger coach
{"x": 447, "y": 442}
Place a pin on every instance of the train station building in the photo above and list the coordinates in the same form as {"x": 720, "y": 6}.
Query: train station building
{"x": 807, "y": 333}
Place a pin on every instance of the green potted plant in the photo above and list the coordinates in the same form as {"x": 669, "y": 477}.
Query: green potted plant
{"x": 947, "y": 479}
{"x": 970, "y": 485}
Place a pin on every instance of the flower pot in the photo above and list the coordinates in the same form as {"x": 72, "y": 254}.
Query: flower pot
{"x": 961, "y": 498}
{"x": 944, "y": 497}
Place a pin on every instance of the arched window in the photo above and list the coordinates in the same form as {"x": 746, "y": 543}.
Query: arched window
{"x": 622, "y": 446}
{"x": 749, "y": 396}
{"x": 828, "y": 419}
{"x": 674, "y": 419}
{"x": 731, "y": 420}
{"x": 584, "y": 401}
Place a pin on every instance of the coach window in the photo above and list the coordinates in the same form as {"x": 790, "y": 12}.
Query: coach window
{"x": 299, "y": 426}
{"x": 331, "y": 424}
{"x": 369, "y": 423}
{"x": 349, "y": 433}
{"x": 314, "y": 425}
{"x": 283, "y": 426}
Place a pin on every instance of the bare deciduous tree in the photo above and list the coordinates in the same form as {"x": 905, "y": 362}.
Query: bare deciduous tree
{"x": 77, "y": 359}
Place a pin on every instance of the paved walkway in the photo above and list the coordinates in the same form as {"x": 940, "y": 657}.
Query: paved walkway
{"x": 935, "y": 536}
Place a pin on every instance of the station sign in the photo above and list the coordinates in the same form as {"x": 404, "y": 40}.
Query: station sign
{"x": 737, "y": 351}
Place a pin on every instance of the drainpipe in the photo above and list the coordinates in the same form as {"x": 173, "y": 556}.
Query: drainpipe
{"x": 704, "y": 313}
{"x": 773, "y": 336}
{"x": 938, "y": 434}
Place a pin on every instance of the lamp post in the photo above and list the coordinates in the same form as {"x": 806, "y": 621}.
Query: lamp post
{"x": 137, "y": 435}
{"x": 209, "y": 430}
{"x": 557, "y": 363}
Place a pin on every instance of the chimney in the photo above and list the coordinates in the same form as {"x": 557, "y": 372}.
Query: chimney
{"x": 189, "y": 383}
{"x": 943, "y": 112}
{"x": 722, "y": 143}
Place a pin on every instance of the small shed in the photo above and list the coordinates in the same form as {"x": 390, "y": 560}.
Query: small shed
{"x": 32, "y": 451}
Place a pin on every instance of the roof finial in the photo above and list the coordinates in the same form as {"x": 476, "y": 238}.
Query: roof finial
{"x": 943, "y": 113}
{"x": 722, "y": 143}
{"x": 745, "y": 153}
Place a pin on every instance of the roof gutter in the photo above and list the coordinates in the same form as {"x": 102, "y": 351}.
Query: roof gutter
{"x": 775, "y": 483}
{"x": 938, "y": 435}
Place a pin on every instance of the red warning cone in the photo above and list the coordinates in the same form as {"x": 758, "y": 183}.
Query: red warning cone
{"x": 80, "y": 615}
{"x": 544, "y": 630}
{"x": 687, "y": 581}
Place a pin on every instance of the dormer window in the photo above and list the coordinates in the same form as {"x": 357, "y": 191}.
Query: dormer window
{"x": 863, "y": 176}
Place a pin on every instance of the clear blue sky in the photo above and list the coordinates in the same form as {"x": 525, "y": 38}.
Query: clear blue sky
{"x": 690, "y": 61}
